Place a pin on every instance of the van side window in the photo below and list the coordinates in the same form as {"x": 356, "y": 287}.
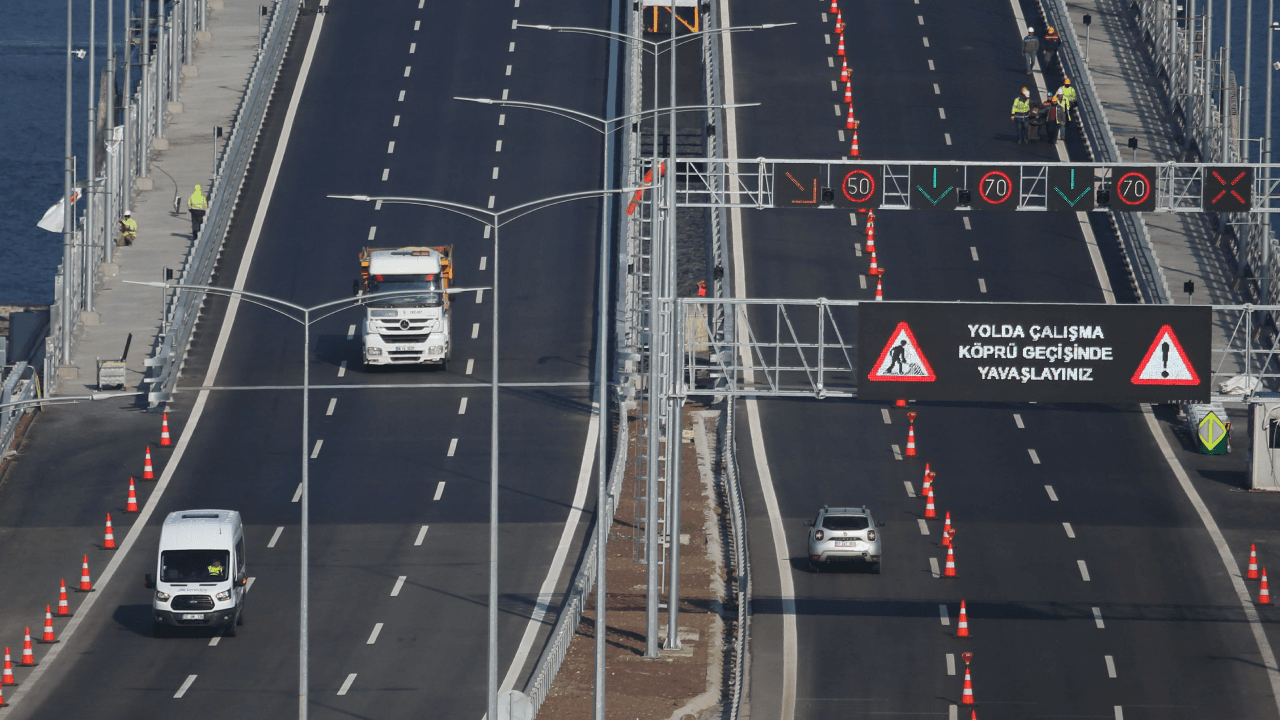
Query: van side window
{"x": 240, "y": 557}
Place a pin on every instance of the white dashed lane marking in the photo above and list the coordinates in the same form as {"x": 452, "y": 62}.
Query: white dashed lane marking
{"x": 453, "y": 447}
{"x": 920, "y": 18}
{"x": 498, "y": 147}
{"x": 1035, "y": 459}
{"x": 1097, "y": 618}
{"x": 373, "y": 232}
{"x": 502, "y": 118}
{"x": 315, "y": 451}
{"x": 346, "y": 684}
{"x": 480, "y": 296}
{"x": 401, "y": 98}
{"x": 422, "y": 535}
{"x": 1084, "y": 570}
{"x": 884, "y": 413}
{"x": 386, "y": 173}
{"x": 439, "y": 491}
{"x": 837, "y": 109}
{"x": 275, "y": 537}
{"x": 933, "y": 567}
{"x": 495, "y": 172}
{"x": 942, "y": 113}
{"x": 1111, "y": 666}
{"x": 475, "y": 330}
{"x": 974, "y": 252}
{"x": 391, "y": 147}
{"x": 508, "y": 72}
{"x": 897, "y": 452}
{"x": 1119, "y": 712}
{"x": 471, "y": 364}
{"x": 484, "y": 260}
{"x": 943, "y": 614}
{"x": 351, "y": 329}
{"x": 862, "y": 282}
{"x": 937, "y": 90}
{"x": 951, "y": 664}
{"x": 407, "y": 68}
{"x": 492, "y": 200}
{"x": 834, "y": 87}
{"x": 417, "y": 25}
{"x": 911, "y": 489}
{"x": 1017, "y": 418}
{"x": 982, "y": 285}
{"x": 297, "y": 494}
{"x": 924, "y": 526}
{"x": 827, "y": 38}
{"x": 462, "y": 407}
{"x": 186, "y": 685}
{"x": 213, "y": 641}
{"x": 333, "y": 402}
{"x": 1071, "y": 533}
{"x": 395, "y": 589}
{"x": 342, "y": 368}
{"x": 926, "y": 42}
{"x": 831, "y": 62}
{"x": 413, "y": 48}
{"x": 947, "y": 137}
{"x": 930, "y": 62}
{"x": 373, "y": 636}
{"x": 1052, "y": 495}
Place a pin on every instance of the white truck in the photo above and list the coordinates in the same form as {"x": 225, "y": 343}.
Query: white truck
{"x": 410, "y": 329}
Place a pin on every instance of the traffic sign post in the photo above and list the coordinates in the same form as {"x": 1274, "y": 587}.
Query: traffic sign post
{"x": 997, "y": 352}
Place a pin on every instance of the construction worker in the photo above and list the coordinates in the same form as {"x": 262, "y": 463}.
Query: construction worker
{"x": 1035, "y": 120}
{"x": 1049, "y": 45}
{"x": 1021, "y": 111}
{"x": 1066, "y": 100}
{"x": 702, "y": 288}
{"x": 1052, "y": 120}
{"x": 1030, "y": 46}
{"x": 128, "y": 229}
{"x": 197, "y": 205}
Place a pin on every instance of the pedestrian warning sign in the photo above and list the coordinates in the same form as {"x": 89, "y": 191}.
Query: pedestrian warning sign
{"x": 902, "y": 360}
{"x": 1166, "y": 363}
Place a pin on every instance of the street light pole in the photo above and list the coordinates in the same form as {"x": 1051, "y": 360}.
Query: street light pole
{"x": 67, "y": 230}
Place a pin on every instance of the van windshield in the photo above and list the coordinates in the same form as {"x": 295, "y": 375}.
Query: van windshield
{"x": 194, "y": 566}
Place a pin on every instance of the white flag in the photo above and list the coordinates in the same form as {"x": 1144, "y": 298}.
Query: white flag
{"x": 54, "y": 216}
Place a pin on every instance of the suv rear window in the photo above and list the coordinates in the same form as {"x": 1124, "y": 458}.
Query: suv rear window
{"x": 845, "y": 522}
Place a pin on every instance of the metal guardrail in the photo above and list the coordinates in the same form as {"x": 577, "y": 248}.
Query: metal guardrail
{"x": 1152, "y": 285}
{"x": 183, "y": 308}
{"x": 741, "y": 560}
{"x": 21, "y": 384}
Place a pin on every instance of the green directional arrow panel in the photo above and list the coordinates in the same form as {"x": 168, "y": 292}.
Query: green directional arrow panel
{"x": 933, "y": 187}
{"x": 1071, "y": 187}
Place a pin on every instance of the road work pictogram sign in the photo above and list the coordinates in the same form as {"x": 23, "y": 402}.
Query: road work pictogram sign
{"x": 902, "y": 360}
{"x": 1034, "y": 352}
{"x": 1166, "y": 363}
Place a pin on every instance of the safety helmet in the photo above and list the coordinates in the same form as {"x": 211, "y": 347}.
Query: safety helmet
{"x": 1066, "y": 81}
{"x": 1031, "y": 30}
{"x": 197, "y": 187}
{"x": 127, "y": 213}
{"x": 1051, "y": 30}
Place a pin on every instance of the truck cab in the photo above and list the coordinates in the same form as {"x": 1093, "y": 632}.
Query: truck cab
{"x": 413, "y": 328}
{"x": 200, "y": 578}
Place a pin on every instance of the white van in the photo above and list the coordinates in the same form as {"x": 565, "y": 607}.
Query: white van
{"x": 200, "y": 571}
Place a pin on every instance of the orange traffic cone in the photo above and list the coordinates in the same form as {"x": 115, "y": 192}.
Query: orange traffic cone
{"x": 927, "y": 484}
{"x": 148, "y": 472}
{"x": 848, "y": 92}
{"x": 871, "y": 239}
{"x": 963, "y": 629}
{"x": 967, "y": 698}
{"x": 875, "y": 265}
{"x": 64, "y": 610}
{"x": 950, "y": 570}
{"x": 1264, "y": 594}
{"x": 880, "y": 287}
{"x": 132, "y": 505}
{"x": 85, "y": 584}
{"x": 844, "y": 70}
{"x": 929, "y": 510}
{"x": 1253, "y": 562}
{"x": 853, "y": 147}
{"x": 911, "y": 435}
{"x": 28, "y": 657}
{"x": 946, "y": 531}
{"x": 164, "y": 432}
{"x": 48, "y": 636}
{"x": 848, "y": 121}
{"x": 834, "y": 8}
{"x": 8, "y": 669}
{"x": 871, "y": 222}
{"x": 840, "y": 47}
{"x": 109, "y": 542}
{"x": 973, "y": 715}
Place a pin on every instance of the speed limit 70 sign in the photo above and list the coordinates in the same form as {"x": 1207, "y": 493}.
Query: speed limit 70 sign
{"x": 1133, "y": 189}
{"x": 994, "y": 187}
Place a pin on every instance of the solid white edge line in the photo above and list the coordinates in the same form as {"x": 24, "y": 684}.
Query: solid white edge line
{"x": 787, "y": 708}
{"x": 1091, "y": 242}
{"x": 547, "y": 591}
{"x": 211, "y": 374}
{"x": 1224, "y": 552}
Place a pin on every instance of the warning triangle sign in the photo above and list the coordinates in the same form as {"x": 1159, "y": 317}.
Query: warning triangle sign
{"x": 902, "y": 360}
{"x": 1166, "y": 363}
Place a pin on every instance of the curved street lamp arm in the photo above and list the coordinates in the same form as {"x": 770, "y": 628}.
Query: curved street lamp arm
{"x": 465, "y": 210}
{"x": 574, "y": 115}
{"x": 520, "y": 211}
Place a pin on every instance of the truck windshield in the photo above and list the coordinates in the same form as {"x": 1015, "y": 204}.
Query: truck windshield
{"x": 432, "y": 288}
{"x": 194, "y": 566}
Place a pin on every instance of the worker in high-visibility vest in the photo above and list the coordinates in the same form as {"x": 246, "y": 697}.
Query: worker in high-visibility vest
{"x": 1019, "y": 114}
{"x": 1066, "y": 99}
{"x": 128, "y": 229}
{"x": 197, "y": 205}
{"x": 702, "y": 288}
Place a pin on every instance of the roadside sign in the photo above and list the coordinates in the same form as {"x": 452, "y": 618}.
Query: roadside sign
{"x": 1228, "y": 188}
{"x": 1024, "y": 352}
{"x": 1133, "y": 189}
{"x": 1071, "y": 187}
{"x": 858, "y": 186}
{"x": 933, "y": 187}
{"x": 994, "y": 187}
{"x": 1211, "y": 431}
{"x": 798, "y": 185}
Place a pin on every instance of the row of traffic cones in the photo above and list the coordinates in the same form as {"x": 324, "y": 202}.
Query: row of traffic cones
{"x": 1264, "y": 590}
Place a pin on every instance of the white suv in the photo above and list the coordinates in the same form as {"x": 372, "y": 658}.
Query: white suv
{"x": 844, "y": 534}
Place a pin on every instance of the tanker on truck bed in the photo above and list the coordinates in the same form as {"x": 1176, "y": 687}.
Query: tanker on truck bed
{"x": 411, "y": 329}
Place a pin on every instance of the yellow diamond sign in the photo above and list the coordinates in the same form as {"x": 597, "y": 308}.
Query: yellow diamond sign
{"x": 1212, "y": 431}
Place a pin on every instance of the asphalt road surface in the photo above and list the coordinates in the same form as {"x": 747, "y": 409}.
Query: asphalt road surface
{"x": 1092, "y": 587}
{"x": 399, "y": 477}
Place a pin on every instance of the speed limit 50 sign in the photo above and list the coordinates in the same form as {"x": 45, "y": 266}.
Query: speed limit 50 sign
{"x": 1133, "y": 189}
